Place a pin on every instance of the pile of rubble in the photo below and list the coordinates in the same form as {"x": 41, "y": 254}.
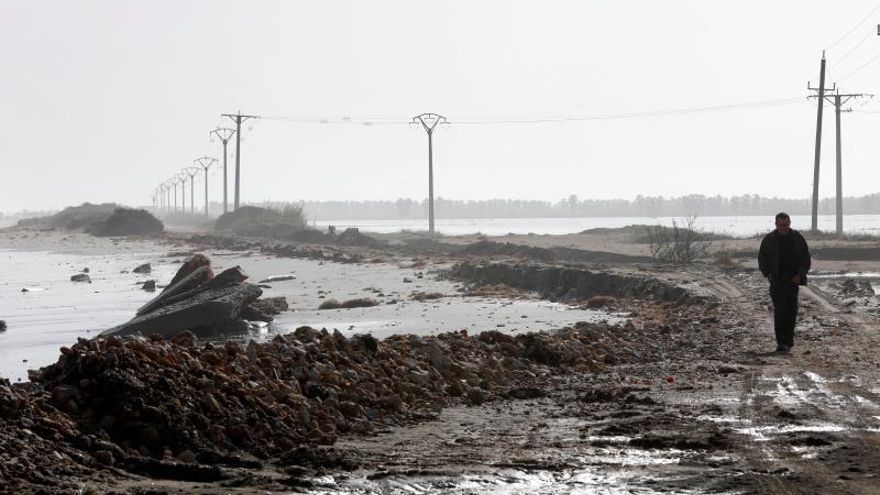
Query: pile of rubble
{"x": 175, "y": 399}
{"x": 175, "y": 408}
{"x": 37, "y": 454}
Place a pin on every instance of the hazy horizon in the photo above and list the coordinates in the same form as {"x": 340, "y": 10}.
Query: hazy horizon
{"x": 106, "y": 99}
{"x": 571, "y": 206}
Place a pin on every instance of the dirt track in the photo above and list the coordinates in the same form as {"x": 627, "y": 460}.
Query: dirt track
{"x": 720, "y": 414}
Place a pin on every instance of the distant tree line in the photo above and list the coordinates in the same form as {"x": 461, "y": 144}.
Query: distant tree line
{"x": 573, "y": 207}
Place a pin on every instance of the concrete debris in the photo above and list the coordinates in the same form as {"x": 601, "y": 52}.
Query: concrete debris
{"x": 198, "y": 301}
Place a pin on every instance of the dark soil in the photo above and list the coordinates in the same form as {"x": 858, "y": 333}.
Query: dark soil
{"x": 127, "y": 222}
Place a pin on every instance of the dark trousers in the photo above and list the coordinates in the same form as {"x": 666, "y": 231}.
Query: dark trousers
{"x": 785, "y": 309}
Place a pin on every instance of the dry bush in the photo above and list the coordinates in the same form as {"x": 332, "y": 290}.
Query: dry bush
{"x": 679, "y": 244}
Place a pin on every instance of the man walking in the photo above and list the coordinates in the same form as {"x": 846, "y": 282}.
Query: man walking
{"x": 784, "y": 259}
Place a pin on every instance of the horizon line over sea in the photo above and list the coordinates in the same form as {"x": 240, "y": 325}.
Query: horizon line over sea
{"x": 735, "y": 226}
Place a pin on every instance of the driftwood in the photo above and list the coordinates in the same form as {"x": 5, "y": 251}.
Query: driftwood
{"x": 196, "y": 300}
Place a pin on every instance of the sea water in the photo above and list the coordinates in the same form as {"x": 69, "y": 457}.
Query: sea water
{"x": 45, "y": 310}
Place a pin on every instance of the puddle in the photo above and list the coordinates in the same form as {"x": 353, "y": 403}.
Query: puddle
{"x": 873, "y": 278}
{"x": 764, "y": 433}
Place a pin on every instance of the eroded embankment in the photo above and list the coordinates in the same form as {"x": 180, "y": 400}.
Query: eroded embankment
{"x": 561, "y": 282}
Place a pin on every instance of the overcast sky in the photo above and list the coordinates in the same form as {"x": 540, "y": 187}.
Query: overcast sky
{"x": 103, "y": 100}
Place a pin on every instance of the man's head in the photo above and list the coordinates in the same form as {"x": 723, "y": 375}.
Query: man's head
{"x": 783, "y": 223}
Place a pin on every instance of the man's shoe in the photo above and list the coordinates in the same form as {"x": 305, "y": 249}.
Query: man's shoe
{"x": 783, "y": 349}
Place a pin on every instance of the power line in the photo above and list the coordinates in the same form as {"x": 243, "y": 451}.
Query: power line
{"x": 859, "y": 68}
{"x": 635, "y": 115}
{"x": 853, "y": 49}
{"x": 338, "y": 120}
{"x": 537, "y": 120}
{"x": 869, "y": 14}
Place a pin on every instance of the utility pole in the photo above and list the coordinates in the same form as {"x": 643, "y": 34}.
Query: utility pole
{"x": 814, "y": 225}
{"x": 191, "y": 172}
{"x": 205, "y": 162}
{"x": 224, "y": 134}
{"x": 182, "y": 178}
{"x": 238, "y": 118}
{"x": 175, "y": 180}
{"x": 429, "y": 122}
{"x": 838, "y": 100}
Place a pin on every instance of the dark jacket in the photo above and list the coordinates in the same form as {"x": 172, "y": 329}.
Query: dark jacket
{"x": 768, "y": 256}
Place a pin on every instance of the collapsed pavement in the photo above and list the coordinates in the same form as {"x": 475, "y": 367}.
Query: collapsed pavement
{"x": 197, "y": 301}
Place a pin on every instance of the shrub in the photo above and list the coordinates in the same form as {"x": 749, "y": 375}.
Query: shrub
{"x": 677, "y": 244}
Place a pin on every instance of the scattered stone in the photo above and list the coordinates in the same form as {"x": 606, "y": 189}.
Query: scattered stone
{"x": 2, "y": 325}
{"x": 145, "y": 268}
{"x": 271, "y": 305}
{"x": 425, "y": 296}
{"x": 597, "y": 302}
{"x": 80, "y": 277}
{"x": 363, "y": 302}
{"x": 277, "y": 278}
{"x": 149, "y": 286}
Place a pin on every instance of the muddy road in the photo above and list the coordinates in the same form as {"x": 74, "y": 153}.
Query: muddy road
{"x": 709, "y": 411}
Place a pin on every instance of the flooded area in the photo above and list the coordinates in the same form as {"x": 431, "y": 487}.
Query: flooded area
{"x": 44, "y": 309}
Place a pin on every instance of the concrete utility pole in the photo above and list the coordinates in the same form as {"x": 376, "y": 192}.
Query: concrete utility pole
{"x": 191, "y": 172}
{"x": 838, "y": 100}
{"x": 814, "y": 225}
{"x": 205, "y": 162}
{"x": 182, "y": 178}
{"x": 238, "y": 118}
{"x": 175, "y": 180}
{"x": 429, "y": 122}
{"x": 224, "y": 134}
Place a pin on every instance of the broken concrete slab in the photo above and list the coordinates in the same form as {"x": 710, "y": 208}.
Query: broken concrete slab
{"x": 200, "y": 302}
{"x": 209, "y": 312}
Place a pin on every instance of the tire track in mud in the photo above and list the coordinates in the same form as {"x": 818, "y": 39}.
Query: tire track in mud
{"x": 811, "y": 420}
